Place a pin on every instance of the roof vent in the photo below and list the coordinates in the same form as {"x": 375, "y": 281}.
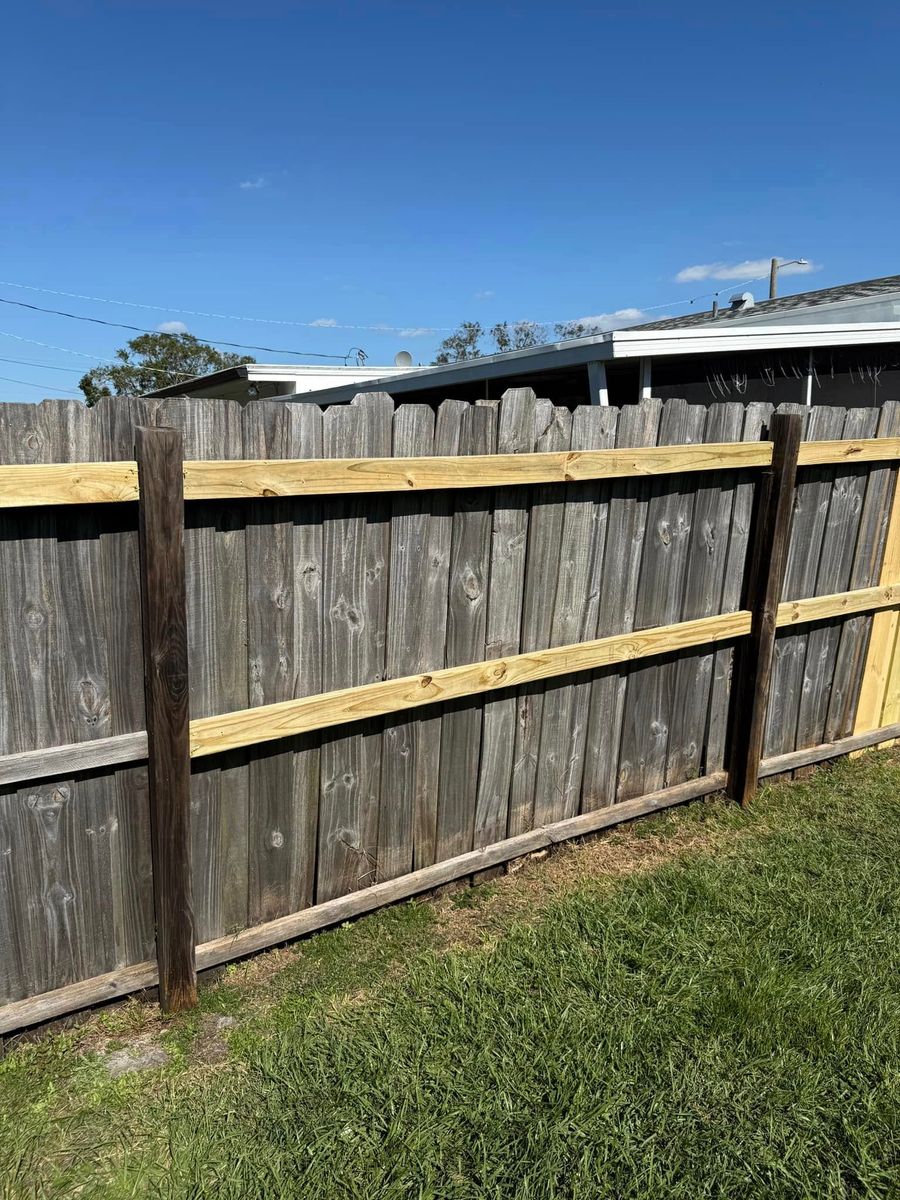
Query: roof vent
{"x": 739, "y": 302}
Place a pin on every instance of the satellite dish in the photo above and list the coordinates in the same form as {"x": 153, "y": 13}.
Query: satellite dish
{"x": 403, "y": 358}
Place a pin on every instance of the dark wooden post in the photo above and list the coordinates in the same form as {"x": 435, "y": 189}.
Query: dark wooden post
{"x": 160, "y": 458}
{"x": 768, "y": 558}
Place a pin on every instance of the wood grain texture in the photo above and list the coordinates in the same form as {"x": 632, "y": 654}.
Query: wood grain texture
{"x": 553, "y": 433}
{"x": 275, "y": 839}
{"x": 355, "y": 609}
{"x": 703, "y": 595}
{"x": 160, "y": 455}
{"x": 216, "y": 480}
{"x": 755, "y": 423}
{"x": 516, "y": 433}
{"x": 229, "y": 731}
{"x": 649, "y": 701}
{"x": 461, "y": 723}
{"x": 576, "y": 606}
{"x": 217, "y": 590}
{"x": 882, "y": 664}
{"x": 842, "y": 528}
{"x": 770, "y": 548}
{"x": 407, "y": 621}
{"x": 638, "y": 425}
{"x": 866, "y": 571}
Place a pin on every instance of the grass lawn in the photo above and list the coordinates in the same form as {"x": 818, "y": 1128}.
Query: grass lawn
{"x": 705, "y": 1004}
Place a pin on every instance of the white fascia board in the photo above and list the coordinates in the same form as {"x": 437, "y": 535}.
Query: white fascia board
{"x": 703, "y": 340}
{"x": 269, "y": 372}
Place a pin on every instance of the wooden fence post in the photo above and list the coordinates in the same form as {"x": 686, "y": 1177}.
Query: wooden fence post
{"x": 768, "y": 558}
{"x": 160, "y": 457}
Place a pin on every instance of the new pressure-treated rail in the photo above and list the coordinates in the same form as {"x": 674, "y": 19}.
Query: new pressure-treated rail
{"x": 268, "y": 722}
{"x": 230, "y": 479}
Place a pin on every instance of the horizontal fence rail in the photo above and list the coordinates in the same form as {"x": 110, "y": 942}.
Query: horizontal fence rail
{"x": 227, "y": 479}
{"x": 326, "y": 710}
{"x": 532, "y": 679}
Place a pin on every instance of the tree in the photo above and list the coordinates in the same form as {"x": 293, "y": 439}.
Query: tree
{"x": 465, "y": 342}
{"x": 520, "y": 335}
{"x": 461, "y": 344}
{"x": 155, "y": 360}
{"x": 575, "y": 329}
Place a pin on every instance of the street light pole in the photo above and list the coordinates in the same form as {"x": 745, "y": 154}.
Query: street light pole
{"x": 773, "y": 273}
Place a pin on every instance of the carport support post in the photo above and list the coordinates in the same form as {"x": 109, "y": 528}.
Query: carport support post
{"x": 754, "y": 654}
{"x": 160, "y": 459}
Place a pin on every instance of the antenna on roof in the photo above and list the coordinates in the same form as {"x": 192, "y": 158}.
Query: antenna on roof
{"x": 403, "y": 358}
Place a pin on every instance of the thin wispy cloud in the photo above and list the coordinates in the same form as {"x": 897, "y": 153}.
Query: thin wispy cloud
{"x": 253, "y": 185}
{"x": 416, "y": 331}
{"x": 172, "y": 327}
{"x": 324, "y": 323}
{"x": 486, "y": 294}
{"x": 750, "y": 268}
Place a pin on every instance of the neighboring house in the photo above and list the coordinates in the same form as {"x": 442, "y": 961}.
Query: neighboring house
{"x": 838, "y": 345}
{"x": 262, "y": 381}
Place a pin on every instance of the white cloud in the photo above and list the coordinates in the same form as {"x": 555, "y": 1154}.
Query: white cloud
{"x": 324, "y": 323}
{"x": 417, "y": 331}
{"x": 172, "y": 327}
{"x": 750, "y": 268}
{"x": 486, "y": 294}
{"x": 604, "y": 322}
{"x": 252, "y": 185}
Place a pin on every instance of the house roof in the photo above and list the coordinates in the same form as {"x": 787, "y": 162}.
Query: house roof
{"x": 865, "y": 289}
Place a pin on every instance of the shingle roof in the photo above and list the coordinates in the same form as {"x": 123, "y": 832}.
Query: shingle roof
{"x": 833, "y": 295}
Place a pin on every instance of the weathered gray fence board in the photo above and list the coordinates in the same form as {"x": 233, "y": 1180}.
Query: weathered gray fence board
{"x": 356, "y": 564}
{"x": 553, "y": 433}
{"x": 411, "y": 515}
{"x": 306, "y": 442}
{"x": 755, "y": 422}
{"x": 704, "y": 586}
{"x": 865, "y": 572}
{"x": 842, "y": 528}
{"x": 649, "y": 697}
{"x": 466, "y": 628}
{"x": 509, "y": 540}
{"x": 114, "y": 423}
{"x": 811, "y": 503}
{"x": 274, "y": 838}
{"x": 629, "y": 499}
{"x": 575, "y": 614}
{"x": 433, "y": 623}
{"x": 294, "y": 596}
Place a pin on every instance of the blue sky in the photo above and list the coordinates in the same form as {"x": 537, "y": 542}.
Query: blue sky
{"x": 415, "y": 165}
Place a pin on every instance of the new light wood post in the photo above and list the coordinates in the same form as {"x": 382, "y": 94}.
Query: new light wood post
{"x": 768, "y": 557}
{"x": 160, "y": 457}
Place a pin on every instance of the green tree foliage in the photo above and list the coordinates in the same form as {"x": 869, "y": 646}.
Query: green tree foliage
{"x": 575, "y": 329}
{"x": 462, "y": 344}
{"x": 155, "y": 360}
{"x": 519, "y": 335}
{"x": 466, "y": 341}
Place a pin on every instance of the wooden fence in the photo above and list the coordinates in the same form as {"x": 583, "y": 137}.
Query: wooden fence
{"x": 523, "y": 617}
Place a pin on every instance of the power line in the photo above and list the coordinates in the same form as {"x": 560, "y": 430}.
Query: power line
{"x": 55, "y": 312}
{"x": 116, "y": 362}
{"x": 24, "y": 362}
{"x": 41, "y": 386}
{"x": 190, "y": 312}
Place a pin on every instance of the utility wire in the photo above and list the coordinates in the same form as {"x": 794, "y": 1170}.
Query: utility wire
{"x": 116, "y": 362}
{"x": 190, "y": 312}
{"x": 42, "y": 386}
{"x": 159, "y": 333}
{"x": 378, "y": 328}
